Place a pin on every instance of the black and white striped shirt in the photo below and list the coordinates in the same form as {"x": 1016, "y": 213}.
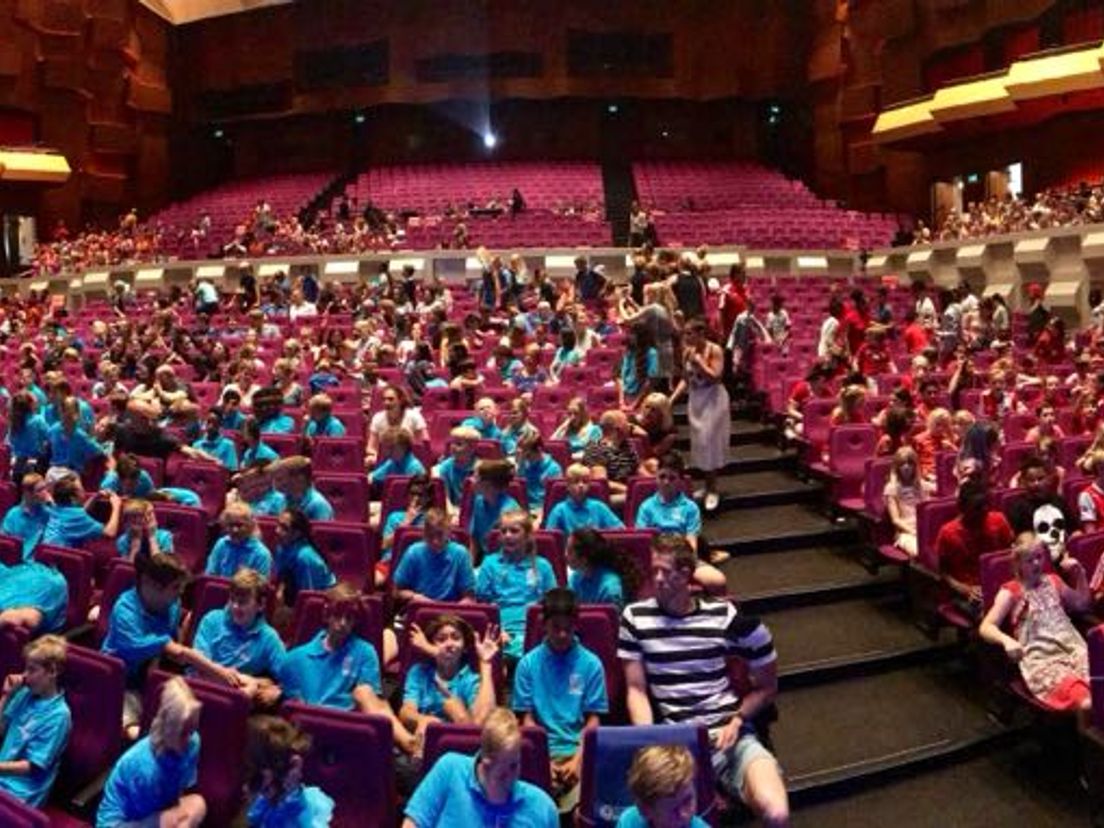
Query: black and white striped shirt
{"x": 685, "y": 657}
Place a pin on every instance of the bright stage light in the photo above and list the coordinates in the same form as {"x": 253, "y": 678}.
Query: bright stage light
{"x": 489, "y": 139}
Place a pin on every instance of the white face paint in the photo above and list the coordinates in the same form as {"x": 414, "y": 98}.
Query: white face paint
{"x": 1050, "y": 528}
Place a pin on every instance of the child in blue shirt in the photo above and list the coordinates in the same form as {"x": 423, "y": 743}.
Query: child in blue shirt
{"x": 484, "y": 419}
{"x": 221, "y": 448}
{"x": 240, "y": 547}
{"x": 514, "y": 577}
{"x": 230, "y": 406}
{"x": 129, "y": 479}
{"x": 143, "y": 625}
{"x": 276, "y": 753}
{"x": 560, "y": 685}
{"x": 397, "y": 445}
{"x": 34, "y": 597}
{"x": 320, "y": 419}
{"x": 483, "y": 789}
{"x": 337, "y": 668}
{"x": 149, "y": 783}
{"x": 579, "y": 510}
{"x": 239, "y": 638}
{"x": 459, "y": 465}
{"x": 639, "y": 368}
{"x": 293, "y": 478}
{"x": 662, "y": 781}
{"x": 27, "y": 519}
{"x": 267, "y": 403}
{"x": 490, "y": 499}
{"x": 69, "y": 524}
{"x": 35, "y": 721}
{"x": 578, "y": 429}
{"x": 596, "y": 573}
{"x": 141, "y": 536}
{"x": 70, "y": 445}
{"x": 28, "y": 435}
{"x": 535, "y": 468}
{"x": 518, "y": 428}
{"x": 299, "y": 564}
{"x": 419, "y": 498}
{"x": 435, "y": 568}
{"x": 254, "y": 451}
{"x": 444, "y": 687}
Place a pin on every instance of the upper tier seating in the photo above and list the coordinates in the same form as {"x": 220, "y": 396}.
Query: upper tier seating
{"x": 725, "y": 202}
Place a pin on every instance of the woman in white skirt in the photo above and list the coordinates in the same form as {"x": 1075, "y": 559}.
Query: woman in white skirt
{"x": 707, "y": 406}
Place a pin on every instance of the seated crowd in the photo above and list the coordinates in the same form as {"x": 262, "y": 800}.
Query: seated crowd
{"x": 979, "y": 458}
{"x": 355, "y": 451}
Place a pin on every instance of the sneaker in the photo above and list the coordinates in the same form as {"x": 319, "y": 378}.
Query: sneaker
{"x": 711, "y": 501}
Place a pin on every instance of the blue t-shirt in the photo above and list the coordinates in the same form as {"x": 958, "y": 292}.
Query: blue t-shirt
{"x": 632, "y": 818}
{"x": 221, "y": 448}
{"x": 514, "y": 584}
{"x": 137, "y": 635}
{"x": 421, "y": 688}
{"x": 534, "y": 475}
{"x": 72, "y": 450}
{"x": 31, "y": 440}
{"x": 29, "y": 525}
{"x": 227, "y": 557}
{"x": 680, "y": 515}
{"x": 258, "y": 455}
{"x": 71, "y": 526}
{"x": 408, "y": 466}
{"x": 454, "y": 474}
{"x": 631, "y": 384}
{"x": 329, "y": 427}
{"x": 440, "y": 576}
{"x": 280, "y": 424}
{"x": 271, "y": 503}
{"x": 450, "y": 795}
{"x": 577, "y": 441}
{"x": 313, "y": 504}
{"x": 391, "y": 524}
{"x": 36, "y": 729}
{"x": 560, "y": 689}
{"x": 233, "y": 420}
{"x": 599, "y": 586}
{"x": 142, "y": 488}
{"x": 511, "y": 436}
{"x": 487, "y": 431}
{"x": 143, "y": 783}
{"x": 37, "y": 586}
{"x": 164, "y": 542}
{"x": 86, "y": 416}
{"x": 569, "y": 515}
{"x": 255, "y": 650}
{"x": 302, "y": 566}
{"x": 305, "y": 807}
{"x": 485, "y": 516}
{"x": 315, "y": 675}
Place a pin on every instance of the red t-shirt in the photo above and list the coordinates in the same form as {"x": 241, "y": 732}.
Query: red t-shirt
{"x": 959, "y": 550}
{"x": 733, "y": 303}
{"x": 872, "y": 362}
{"x": 915, "y": 337}
{"x": 854, "y": 325}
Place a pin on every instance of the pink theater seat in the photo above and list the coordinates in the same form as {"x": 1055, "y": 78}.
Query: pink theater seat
{"x": 77, "y": 565}
{"x": 208, "y": 480}
{"x": 120, "y": 578}
{"x": 442, "y": 738}
{"x": 189, "y": 528}
{"x": 16, "y": 814}
{"x": 340, "y": 455}
{"x": 351, "y": 759}
{"x": 310, "y": 618}
{"x": 555, "y": 490}
{"x": 350, "y": 549}
{"x": 849, "y": 447}
{"x": 395, "y": 494}
{"x": 636, "y": 545}
{"x": 930, "y": 517}
{"x": 347, "y": 493}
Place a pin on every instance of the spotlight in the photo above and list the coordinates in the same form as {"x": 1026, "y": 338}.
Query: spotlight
{"x": 360, "y": 119}
{"x": 489, "y": 139}
{"x": 612, "y": 109}
{"x": 219, "y": 133}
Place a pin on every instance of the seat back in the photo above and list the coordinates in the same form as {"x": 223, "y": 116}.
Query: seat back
{"x": 395, "y": 494}
{"x": 285, "y": 445}
{"x": 208, "y": 592}
{"x": 607, "y": 754}
{"x": 77, "y": 566}
{"x": 189, "y": 528}
{"x": 555, "y": 490}
{"x": 208, "y": 480}
{"x": 347, "y": 493}
{"x": 877, "y": 475}
{"x": 11, "y": 550}
{"x": 351, "y": 550}
{"x": 94, "y": 684}
{"x": 223, "y": 726}
{"x": 930, "y": 516}
{"x": 849, "y": 447}
{"x": 351, "y": 760}
{"x": 597, "y": 629}
{"x": 310, "y": 617}
{"x": 1012, "y": 454}
{"x": 154, "y": 467}
{"x": 516, "y": 490}
{"x": 17, "y": 814}
{"x": 996, "y": 570}
{"x": 442, "y": 738}
{"x": 120, "y": 578}
{"x": 945, "y": 483}
{"x": 343, "y": 455}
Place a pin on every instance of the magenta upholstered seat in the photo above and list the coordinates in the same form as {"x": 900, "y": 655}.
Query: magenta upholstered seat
{"x": 849, "y": 447}
{"x": 347, "y": 493}
{"x": 310, "y": 613}
{"x": 189, "y": 527}
{"x": 341, "y": 455}
{"x": 15, "y": 814}
{"x": 930, "y": 516}
{"x": 77, "y": 566}
{"x": 208, "y": 480}
{"x": 351, "y": 760}
{"x": 120, "y": 577}
{"x": 350, "y": 549}
{"x": 635, "y": 544}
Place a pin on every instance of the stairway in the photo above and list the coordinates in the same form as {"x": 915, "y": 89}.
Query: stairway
{"x": 878, "y": 723}
{"x": 620, "y": 192}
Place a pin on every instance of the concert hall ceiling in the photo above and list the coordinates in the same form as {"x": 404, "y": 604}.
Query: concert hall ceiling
{"x": 189, "y": 11}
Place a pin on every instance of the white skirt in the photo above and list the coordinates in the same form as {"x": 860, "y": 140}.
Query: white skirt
{"x": 710, "y": 418}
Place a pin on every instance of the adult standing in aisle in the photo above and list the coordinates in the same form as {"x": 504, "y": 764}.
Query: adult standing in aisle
{"x": 708, "y": 406}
